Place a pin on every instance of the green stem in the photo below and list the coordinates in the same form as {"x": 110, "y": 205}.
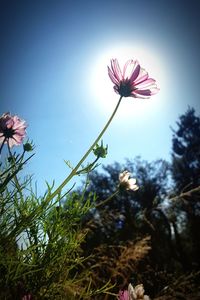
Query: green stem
{"x": 15, "y": 173}
{"x": 1, "y": 147}
{"x": 74, "y": 171}
{"x": 88, "y": 168}
{"x": 107, "y": 200}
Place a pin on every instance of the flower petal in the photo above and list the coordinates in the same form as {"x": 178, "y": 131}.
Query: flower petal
{"x": 116, "y": 69}
{"x": 154, "y": 91}
{"x": 112, "y": 77}
{"x": 145, "y": 83}
{"x": 143, "y": 92}
{"x": 135, "y": 73}
{"x": 132, "y": 181}
{"x": 139, "y": 290}
{"x": 143, "y": 75}
{"x": 124, "y": 176}
{"x": 128, "y": 68}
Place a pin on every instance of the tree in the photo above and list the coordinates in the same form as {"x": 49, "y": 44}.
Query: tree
{"x": 127, "y": 207}
{"x": 186, "y": 151}
{"x": 130, "y": 217}
{"x": 186, "y": 176}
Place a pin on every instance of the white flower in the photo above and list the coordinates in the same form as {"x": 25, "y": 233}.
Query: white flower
{"x": 137, "y": 292}
{"x": 125, "y": 182}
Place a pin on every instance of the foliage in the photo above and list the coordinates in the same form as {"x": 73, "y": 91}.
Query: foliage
{"x": 126, "y": 220}
{"x": 184, "y": 287}
{"x": 40, "y": 240}
{"x": 159, "y": 209}
{"x": 89, "y": 243}
{"x": 117, "y": 262}
{"x": 186, "y": 176}
{"x": 186, "y": 151}
{"x": 120, "y": 217}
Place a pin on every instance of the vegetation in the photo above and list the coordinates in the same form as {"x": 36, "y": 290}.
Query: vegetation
{"x": 162, "y": 218}
{"x": 92, "y": 242}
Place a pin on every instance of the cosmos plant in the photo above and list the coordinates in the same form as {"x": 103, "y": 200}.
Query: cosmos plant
{"x": 134, "y": 82}
{"x": 38, "y": 221}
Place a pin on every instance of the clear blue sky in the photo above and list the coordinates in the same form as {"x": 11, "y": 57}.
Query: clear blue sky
{"x": 48, "y": 57}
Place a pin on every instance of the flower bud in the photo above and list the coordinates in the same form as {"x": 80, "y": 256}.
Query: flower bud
{"x": 28, "y": 147}
{"x": 100, "y": 151}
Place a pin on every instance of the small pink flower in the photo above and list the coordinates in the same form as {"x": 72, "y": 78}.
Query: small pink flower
{"x": 123, "y": 295}
{"x": 133, "y": 293}
{"x": 134, "y": 81}
{"x": 12, "y": 129}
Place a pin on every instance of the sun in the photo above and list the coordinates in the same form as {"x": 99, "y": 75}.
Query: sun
{"x": 101, "y": 87}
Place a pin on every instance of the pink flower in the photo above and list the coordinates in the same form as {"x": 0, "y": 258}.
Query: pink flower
{"x": 123, "y": 295}
{"x": 12, "y": 129}
{"x": 134, "y": 81}
{"x": 133, "y": 293}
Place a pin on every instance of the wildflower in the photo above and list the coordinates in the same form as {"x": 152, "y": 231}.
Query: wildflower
{"x": 133, "y": 82}
{"x": 12, "y": 129}
{"x": 133, "y": 293}
{"x": 137, "y": 292}
{"x": 123, "y": 295}
{"x": 126, "y": 183}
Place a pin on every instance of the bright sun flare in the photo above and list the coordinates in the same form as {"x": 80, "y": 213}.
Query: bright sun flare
{"x": 102, "y": 87}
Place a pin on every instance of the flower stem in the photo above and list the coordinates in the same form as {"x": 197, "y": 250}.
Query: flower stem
{"x": 1, "y": 147}
{"x": 74, "y": 171}
{"x": 107, "y": 200}
{"x": 15, "y": 173}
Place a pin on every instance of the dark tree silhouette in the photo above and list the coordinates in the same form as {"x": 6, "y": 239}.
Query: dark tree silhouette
{"x": 128, "y": 208}
{"x": 123, "y": 227}
{"x": 186, "y": 176}
{"x": 131, "y": 216}
{"x": 186, "y": 151}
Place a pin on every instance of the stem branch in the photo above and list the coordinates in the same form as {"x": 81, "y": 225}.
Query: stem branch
{"x": 74, "y": 171}
{"x": 107, "y": 200}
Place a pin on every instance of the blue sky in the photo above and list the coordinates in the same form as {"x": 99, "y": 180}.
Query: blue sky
{"x": 53, "y": 74}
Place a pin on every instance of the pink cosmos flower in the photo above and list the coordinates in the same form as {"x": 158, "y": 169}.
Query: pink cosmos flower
{"x": 133, "y": 293}
{"x": 133, "y": 82}
{"x": 12, "y": 129}
{"x": 123, "y": 295}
